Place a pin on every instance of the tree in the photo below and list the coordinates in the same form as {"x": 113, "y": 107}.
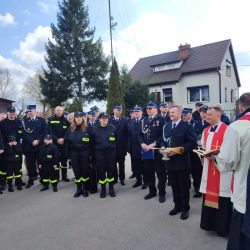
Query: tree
{"x": 76, "y": 63}
{"x": 5, "y": 83}
{"x": 115, "y": 95}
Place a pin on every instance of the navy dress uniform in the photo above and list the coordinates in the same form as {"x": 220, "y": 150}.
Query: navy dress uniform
{"x": 33, "y": 129}
{"x": 120, "y": 123}
{"x": 134, "y": 148}
{"x": 2, "y": 170}
{"x": 57, "y": 128}
{"x": 165, "y": 116}
{"x": 178, "y": 166}
{"x": 150, "y": 132}
{"x": 104, "y": 141}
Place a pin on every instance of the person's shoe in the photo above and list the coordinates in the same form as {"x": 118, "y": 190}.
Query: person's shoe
{"x": 19, "y": 188}
{"x": 162, "y": 198}
{"x": 112, "y": 193}
{"x": 55, "y": 189}
{"x": 144, "y": 186}
{"x": 44, "y": 188}
{"x": 3, "y": 187}
{"x": 85, "y": 193}
{"x": 123, "y": 183}
{"x": 131, "y": 176}
{"x": 23, "y": 184}
{"x": 10, "y": 189}
{"x": 115, "y": 181}
{"x": 77, "y": 193}
{"x": 103, "y": 194}
{"x": 197, "y": 195}
{"x": 149, "y": 196}
{"x": 184, "y": 215}
{"x": 174, "y": 211}
{"x": 137, "y": 184}
{"x": 30, "y": 184}
{"x": 66, "y": 179}
{"x": 1, "y": 192}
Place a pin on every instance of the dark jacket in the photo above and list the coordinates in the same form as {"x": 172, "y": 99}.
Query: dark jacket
{"x": 196, "y": 115}
{"x": 225, "y": 119}
{"x": 165, "y": 118}
{"x": 11, "y": 128}
{"x": 122, "y": 135}
{"x": 48, "y": 155}
{"x": 182, "y": 136}
{"x": 104, "y": 138}
{"x": 1, "y": 141}
{"x": 78, "y": 140}
{"x": 13, "y": 153}
{"x": 33, "y": 130}
{"x": 199, "y": 127}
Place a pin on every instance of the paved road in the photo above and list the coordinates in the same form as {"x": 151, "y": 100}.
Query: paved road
{"x": 34, "y": 220}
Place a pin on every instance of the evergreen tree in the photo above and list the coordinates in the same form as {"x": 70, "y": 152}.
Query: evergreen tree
{"x": 76, "y": 65}
{"x": 115, "y": 95}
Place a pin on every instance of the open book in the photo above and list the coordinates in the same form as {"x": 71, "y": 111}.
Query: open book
{"x": 206, "y": 153}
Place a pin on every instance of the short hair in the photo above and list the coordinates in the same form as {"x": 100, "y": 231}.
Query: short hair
{"x": 244, "y": 99}
{"x": 179, "y": 107}
{"x": 216, "y": 108}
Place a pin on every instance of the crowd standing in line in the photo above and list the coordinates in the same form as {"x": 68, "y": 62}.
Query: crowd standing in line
{"x": 171, "y": 143}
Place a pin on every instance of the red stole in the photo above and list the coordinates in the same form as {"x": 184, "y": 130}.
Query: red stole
{"x": 213, "y": 175}
{"x": 245, "y": 117}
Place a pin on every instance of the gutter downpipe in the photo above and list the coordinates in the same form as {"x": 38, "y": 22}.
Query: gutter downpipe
{"x": 218, "y": 71}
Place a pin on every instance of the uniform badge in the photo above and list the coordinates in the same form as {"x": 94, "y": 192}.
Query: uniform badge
{"x": 157, "y": 123}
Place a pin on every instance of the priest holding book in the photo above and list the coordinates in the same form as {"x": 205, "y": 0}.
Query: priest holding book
{"x": 215, "y": 186}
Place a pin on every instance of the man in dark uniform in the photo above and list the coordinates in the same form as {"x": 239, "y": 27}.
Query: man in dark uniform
{"x": 163, "y": 108}
{"x": 134, "y": 126}
{"x": 92, "y": 122}
{"x": 57, "y": 128}
{"x": 2, "y": 170}
{"x": 12, "y": 126}
{"x": 149, "y": 137}
{"x": 179, "y": 134}
{"x": 196, "y": 113}
{"x": 120, "y": 123}
{"x": 34, "y": 130}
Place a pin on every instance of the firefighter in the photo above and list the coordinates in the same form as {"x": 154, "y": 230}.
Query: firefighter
{"x": 2, "y": 170}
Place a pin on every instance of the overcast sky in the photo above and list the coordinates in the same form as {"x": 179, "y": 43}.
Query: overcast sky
{"x": 144, "y": 28}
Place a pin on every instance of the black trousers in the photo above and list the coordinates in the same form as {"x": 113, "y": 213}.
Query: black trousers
{"x": 3, "y": 172}
{"x": 93, "y": 176}
{"x": 32, "y": 164}
{"x": 155, "y": 166}
{"x": 180, "y": 183}
{"x": 49, "y": 174}
{"x": 80, "y": 166}
{"x": 196, "y": 170}
{"x": 121, "y": 166}
{"x": 105, "y": 164}
{"x": 63, "y": 163}
{"x": 139, "y": 170}
{"x": 13, "y": 171}
{"x": 237, "y": 240}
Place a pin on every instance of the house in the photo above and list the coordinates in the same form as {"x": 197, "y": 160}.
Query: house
{"x": 207, "y": 73}
{"x": 4, "y": 104}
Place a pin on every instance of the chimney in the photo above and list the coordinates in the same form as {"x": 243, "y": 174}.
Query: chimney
{"x": 184, "y": 51}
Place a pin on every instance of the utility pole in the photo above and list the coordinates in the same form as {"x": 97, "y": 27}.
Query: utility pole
{"x": 111, "y": 27}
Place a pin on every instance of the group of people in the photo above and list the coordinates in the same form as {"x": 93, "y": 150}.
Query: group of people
{"x": 173, "y": 144}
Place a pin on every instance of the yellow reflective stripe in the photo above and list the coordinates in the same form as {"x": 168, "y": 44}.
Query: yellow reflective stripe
{"x": 16, "y": 156}
{"x": 110, "y": 179}
{"x": 53, "y": 181}
{"x": 78, "y": 181}
{"x": 10, "y": 177}
{"x": 54, "y": 122}
{"x": 19, "y": 131}
{"x": 45, "y": 180}
{"x": 86, "y": 139}
{"x": 49, "y": 156}
{"x": 18, "y": 176}
{"x": 3, "y": 173}
{"x": 112, "y": 138}
{"x": 65, "y": 126}
{"x": 102, "y": 182}
{"x": 85, "y": 179}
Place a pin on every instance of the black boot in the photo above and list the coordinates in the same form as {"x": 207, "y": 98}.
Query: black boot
{"x": 85, "y": 189}
{"x": 111, "y": 190}
{"x": 64, "y": 175}
{"x": 79, "y": 190}
{"x": 45, "y": 187}
{"x": 103, "y": 191}
{"x": 10, "y": 189}
{"x": 19, "y": 184}
{"x": 30, "y": 183}
{"x": 54, "y": 188}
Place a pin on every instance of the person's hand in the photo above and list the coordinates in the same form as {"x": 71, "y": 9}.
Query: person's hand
{"x": 56, "y": 167}
{"x": 14, "y": 143}
{"x": 39, "y": 166}
{"x": 35, "y": 142}
{"x": 1, "y": 151}
{"x": 150, "y": 146}
{"x": 60, "y": 141}
{"x": 144, "y": 146}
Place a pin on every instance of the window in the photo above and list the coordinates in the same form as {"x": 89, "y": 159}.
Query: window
{"x": 168, "y": 95}
{"x": 225, "y": 94}
{"x": 156, "y": 96}
{"x": 168, "y": 66}
{"x": 228, "y": 70}
{"x": 198, "y": 94}
{"x": 232, "y": 95}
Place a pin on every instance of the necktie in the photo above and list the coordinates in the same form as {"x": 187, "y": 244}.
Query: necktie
{"x": 174, "y": 126}
{"x": 213, "y": 128}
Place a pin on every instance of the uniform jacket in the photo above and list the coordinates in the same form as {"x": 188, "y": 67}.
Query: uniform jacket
{"x": 122, "y": 135}
{"x": 33, "y": 130}
{"x": 196, "y": 115}
{"x": 104, "y": 138}
{"x": 165, "y": 118}
{"x": 48, "y": 155}
{"x": 199, "y": 128}
{"x": 225, "y": 119}
{"x": 13, "y": 153}
{"x": 1, "y": 141}
{"x": 182, "y": 136}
